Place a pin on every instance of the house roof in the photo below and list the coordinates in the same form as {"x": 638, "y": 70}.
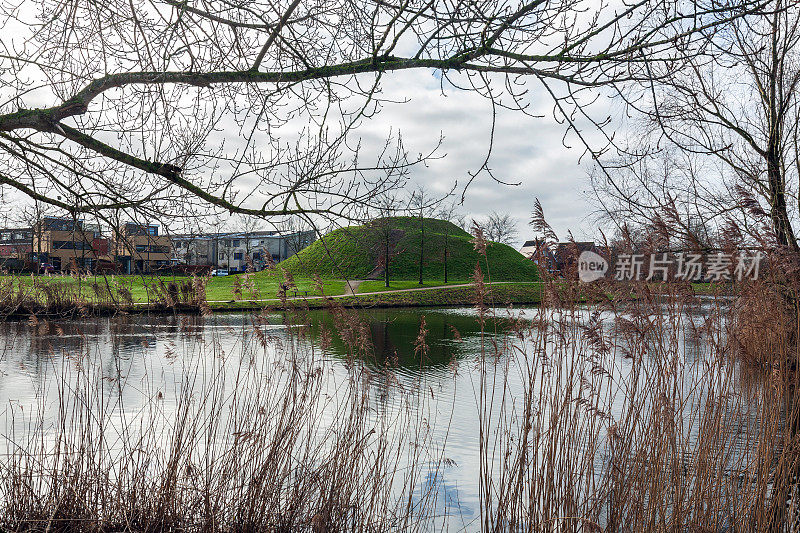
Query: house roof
{"x": 535, "y": 247}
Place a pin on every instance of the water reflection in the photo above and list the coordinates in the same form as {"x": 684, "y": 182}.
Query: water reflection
{"x": 393, "y": 336}
{"x": 144, "y": 359}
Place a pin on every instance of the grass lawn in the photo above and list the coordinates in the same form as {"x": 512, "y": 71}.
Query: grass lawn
{"x": 264, "y": 285}
{"x": 394, "y": 285}
{"x": 267, "y": 285}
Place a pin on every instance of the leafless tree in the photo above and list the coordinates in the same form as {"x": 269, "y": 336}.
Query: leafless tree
{"x": 719, "y": 139}
{"x": 422, "y": 202}
{"x": 247, "y": 225}
{"x": 385, "y": 233}
{"x": 117, "y": 105}
{"x": 299, "y": 232}
{"x": 448, "y": 211}
{"x": 499, "y": 227}
{"x": 30, "y": 216}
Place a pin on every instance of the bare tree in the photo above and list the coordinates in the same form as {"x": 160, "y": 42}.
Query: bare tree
{"x": 30, "y": 216}
{"x": 499, "y": 227}
{"x": 422, "y": 202}
{"x": 386, "y": 234}
{"x": 118, "y": 104}
{"x": 449, "y": 212}
{"x": 720, "y": 139}
{"x": 299, "y": 232}
{"x": 247, "y": 225}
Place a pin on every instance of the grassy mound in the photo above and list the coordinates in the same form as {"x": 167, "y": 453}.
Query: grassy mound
{"x": 355, "y": 253}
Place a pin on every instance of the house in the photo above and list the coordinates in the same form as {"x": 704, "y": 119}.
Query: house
{"x": 139, "y": 248}
{"x": 567, "y": 253}
{"x": 16, "y": 245}
{"x": 559, "y": 258}
{"x": 68, "y": 244}
{"x": 238, "y": 251}
{"x": 194, "y": 249}
{"x": 540, "y": 253}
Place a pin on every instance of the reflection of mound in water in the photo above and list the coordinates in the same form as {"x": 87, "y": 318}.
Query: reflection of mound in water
{"x": 393, "y": 335}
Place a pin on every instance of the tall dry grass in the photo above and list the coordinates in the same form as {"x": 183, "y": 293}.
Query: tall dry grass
{"x": 88, "y": 295}
{"x": 631, "y": 414}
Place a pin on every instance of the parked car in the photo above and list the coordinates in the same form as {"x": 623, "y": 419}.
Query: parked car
{"x": 47, "y": 268}
{"x": 219, "y": 272}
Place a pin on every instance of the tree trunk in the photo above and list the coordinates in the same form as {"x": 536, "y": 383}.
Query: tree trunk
{"x": 784, "y": 233}
{"x": 777, "y": 110}
{"x": 386, "y": 262}
{"x": 421, "y": 246}
{"x": 446, "y": 233}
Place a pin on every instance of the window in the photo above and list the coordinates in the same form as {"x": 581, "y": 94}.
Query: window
{"x": 71, "y": 245}
{"x": 60, "y": 224}
{"x": 236, "y": 243}
{"x": 5, "y": 236}
{"x": 238, "y": 256}
{"x": 152, "y": 230}
{"x": 221, "y": 256}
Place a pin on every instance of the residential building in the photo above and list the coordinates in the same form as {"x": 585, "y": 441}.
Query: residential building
{"x": 193, "y": 249}
{"x": 68, "y": 244}
{"x": 238, "y": 251}
{"x": 559, "y": 258}
{"x": 567, "y": 253}
{"x": 16, "y": 245}
{"x": 540, "y": 253}
{"x": 139, "y": 248}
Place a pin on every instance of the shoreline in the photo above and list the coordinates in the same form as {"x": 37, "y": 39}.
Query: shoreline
{"x": 498, "y": 294}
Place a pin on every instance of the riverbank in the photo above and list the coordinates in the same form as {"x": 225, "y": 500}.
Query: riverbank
{"x": 298, "y": 403}
{"x": 499, "y": 294}
{"x": 26, "y": 296}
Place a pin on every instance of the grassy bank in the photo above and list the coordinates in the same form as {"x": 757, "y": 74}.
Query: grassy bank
{"x": 499, "y": 294}
{"x": 148, "y": 289}
{"x": 397, "y": 285}
{"x": 103, "y": 295}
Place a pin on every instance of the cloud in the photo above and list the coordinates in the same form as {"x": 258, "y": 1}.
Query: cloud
{"x": 526, "y": 150}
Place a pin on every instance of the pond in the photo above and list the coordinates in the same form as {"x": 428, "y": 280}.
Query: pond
{"x": 460, "y": 386}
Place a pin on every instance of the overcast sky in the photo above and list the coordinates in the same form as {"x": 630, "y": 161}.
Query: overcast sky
{"x": 526, "y": 149}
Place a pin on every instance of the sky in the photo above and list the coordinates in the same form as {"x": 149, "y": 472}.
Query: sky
{"x": 527, "y": 150}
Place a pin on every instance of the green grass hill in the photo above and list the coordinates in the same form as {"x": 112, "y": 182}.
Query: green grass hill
{"x": 354, "y": 253}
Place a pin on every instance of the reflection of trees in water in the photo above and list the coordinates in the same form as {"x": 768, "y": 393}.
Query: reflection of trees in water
{"x": 130, "y": 333}
{"x": 394, "y": 333}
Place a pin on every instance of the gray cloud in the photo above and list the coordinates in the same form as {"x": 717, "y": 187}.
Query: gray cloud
{"x": 526, "y": 149}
